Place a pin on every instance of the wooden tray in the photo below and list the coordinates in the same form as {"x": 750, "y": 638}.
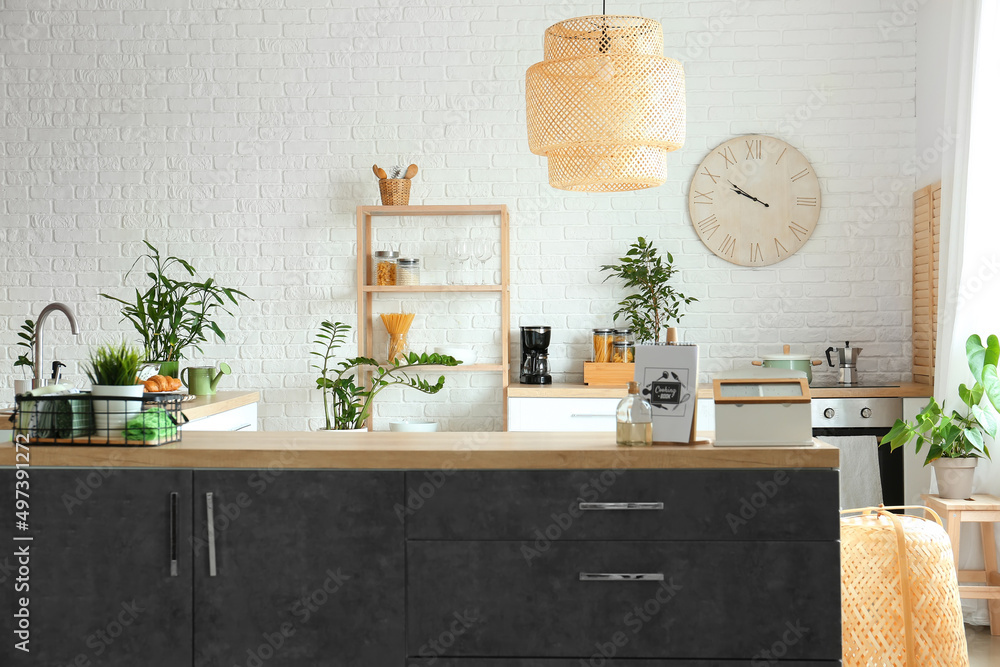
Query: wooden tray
{"x": 608, "y": 374}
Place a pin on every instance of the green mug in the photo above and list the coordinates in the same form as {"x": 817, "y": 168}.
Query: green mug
{"x": 202, "y": 380}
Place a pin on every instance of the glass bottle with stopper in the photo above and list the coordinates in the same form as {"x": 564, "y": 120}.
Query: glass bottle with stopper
{"x": 635, "y": 419}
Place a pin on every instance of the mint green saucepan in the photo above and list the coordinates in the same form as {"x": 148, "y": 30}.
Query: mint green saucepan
{"x": 795, "y": 362}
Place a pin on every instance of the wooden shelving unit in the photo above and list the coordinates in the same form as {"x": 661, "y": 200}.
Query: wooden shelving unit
{"x": 367, "y": 291}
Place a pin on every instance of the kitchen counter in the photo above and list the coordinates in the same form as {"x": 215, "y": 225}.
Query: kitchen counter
{"x": 421, "y": 451}
{"x": 199, "y": 408}
{"x": 569, "y": 390}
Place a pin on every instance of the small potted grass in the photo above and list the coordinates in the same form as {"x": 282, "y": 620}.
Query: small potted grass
{"x": 112, "y": 370}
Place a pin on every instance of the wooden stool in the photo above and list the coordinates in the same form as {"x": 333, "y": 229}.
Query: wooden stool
{"x": 984, "y": 510}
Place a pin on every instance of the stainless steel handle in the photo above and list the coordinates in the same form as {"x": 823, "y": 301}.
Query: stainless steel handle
{"x": 621, "y": 506}
{"x": 240, "y": 428}
{"x": 173, "y": 534}
{"x": 211, "y": 534}
{"x": 621, "y": 576}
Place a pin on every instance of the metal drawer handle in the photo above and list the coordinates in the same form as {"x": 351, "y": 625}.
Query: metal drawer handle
{"x": 173, "y": 534}
{"x": 240, "y": 428}
{"x": 621, "y": 506}
{"x": 615, "y": 576}
{"x": 211, "y": 534}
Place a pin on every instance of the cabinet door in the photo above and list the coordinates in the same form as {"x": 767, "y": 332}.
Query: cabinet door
{"x": 309, "y": 568}
{"x": 98, "y": 573}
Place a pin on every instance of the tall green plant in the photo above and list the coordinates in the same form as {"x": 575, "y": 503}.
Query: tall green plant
{"x": 956, "y": 435}
{"x": 655, "y": 302}
{"x": 173, "y": 315}
{"x": 114, "y": 364}
{"x": 27, "y": 358}
{"x": 348, "y": 404}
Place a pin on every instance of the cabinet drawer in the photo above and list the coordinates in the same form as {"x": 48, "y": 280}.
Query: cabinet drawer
{"x": 562, "y": 414}
{"x": 696, "y": 505}
{"x": 725, "y": 601}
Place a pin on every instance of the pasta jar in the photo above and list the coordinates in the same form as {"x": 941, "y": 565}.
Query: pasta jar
{"x": 408, "y": 271}
{"x": 603, "y": 339}
{"x": 623, "y": 353}
{"x": 624, "y": 336}
{"x": 385, "y": 267}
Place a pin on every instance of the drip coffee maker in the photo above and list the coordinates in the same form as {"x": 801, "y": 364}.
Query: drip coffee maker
{"x": 535, "y": 355}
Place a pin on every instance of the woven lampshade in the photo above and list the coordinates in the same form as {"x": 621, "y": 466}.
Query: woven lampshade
{"x": 605, "y": 107}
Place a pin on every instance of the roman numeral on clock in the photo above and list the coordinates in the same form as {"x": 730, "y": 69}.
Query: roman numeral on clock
{"x": 753, "y": 149}
{"x": 778, "y": 248}
{"x": 728, "y": 246}
{"x": 714, "y": 177}
{"x": 798, "y": 229}
{"x": 703, "y": 197}
{"x": 805, "y": 201}
{"x": 755, "y": 253}
{"x": 781, "y": 156}
{"x": 728, "y": 155}
{"x": 801, "y": 174}
{"x": 708, "y": 226}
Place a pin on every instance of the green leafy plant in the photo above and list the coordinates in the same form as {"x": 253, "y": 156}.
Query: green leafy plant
{"x": 347, "y": 404}
{"x": 173, "y": 315}
{"x": 27, "y": 358}
{"x": 114, "y": 364}
{"x": 655, "y": 303}
{"x": 956, "y": 435}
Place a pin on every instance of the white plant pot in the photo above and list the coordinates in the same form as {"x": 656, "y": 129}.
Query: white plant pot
{"x": 343, "y": 430}
{"x": 110, "y": 416}
{"x": 954, "y": 477}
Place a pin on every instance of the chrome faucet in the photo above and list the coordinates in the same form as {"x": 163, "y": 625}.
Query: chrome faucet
{"x": 39, "y": 333}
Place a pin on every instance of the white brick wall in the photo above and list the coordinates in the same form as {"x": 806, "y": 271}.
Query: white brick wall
{"x": 241, "y": 134}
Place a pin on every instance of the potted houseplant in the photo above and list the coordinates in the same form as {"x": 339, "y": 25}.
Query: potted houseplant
{"x": 955, "y": 442}
{"x": 347, "y": 404}
{"x": 174, "y": 314}
{"x": 25, "y": 360}
{"x": 113, "y": 371}
{"x": 655, "y": 302}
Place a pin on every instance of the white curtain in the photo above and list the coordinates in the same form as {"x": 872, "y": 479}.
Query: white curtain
{"x": 970, "y": 226}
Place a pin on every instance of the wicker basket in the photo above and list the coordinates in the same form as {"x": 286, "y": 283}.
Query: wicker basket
{"x": 888, "y": 619}
{"x": 394, "y": 191}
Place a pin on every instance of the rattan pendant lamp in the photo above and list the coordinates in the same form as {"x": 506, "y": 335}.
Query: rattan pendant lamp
{"x": 604, "y": 106}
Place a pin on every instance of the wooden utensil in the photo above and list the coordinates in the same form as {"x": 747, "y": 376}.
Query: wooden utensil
{"x": 411, "y": 171}
{"x": 379, "y": 172}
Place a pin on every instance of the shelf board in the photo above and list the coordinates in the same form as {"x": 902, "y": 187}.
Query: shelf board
{"x": 433, "y": 209}
{"x": 463, "y": 368}
{"x": 432, "y": 288}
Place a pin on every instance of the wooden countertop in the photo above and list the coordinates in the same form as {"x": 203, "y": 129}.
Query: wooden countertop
{"x": 417, "y": 451}
{"x": 567, "y": 390}
{"x": 199, "y": 408}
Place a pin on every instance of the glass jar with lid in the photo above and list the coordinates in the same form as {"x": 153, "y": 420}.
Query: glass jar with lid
{"x": 407, "y": 271}
{"x": 603, "y": 339}
{"x": 385, "y": 267}
{"x": 622, "y": 353}
{"x": 624, "y": 336}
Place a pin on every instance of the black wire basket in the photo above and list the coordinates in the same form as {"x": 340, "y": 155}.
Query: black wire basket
{"x": 84, "y": 419}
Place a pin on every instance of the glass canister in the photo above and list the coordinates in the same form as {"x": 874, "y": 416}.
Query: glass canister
{"x": 634, "y": 420}
{"x": 603, "y": 340}
{"x": 623, "y": 353}
{"x": 407, "y": 271}
{"x": 385, "y": 267}
{"x": 624, "y": 336}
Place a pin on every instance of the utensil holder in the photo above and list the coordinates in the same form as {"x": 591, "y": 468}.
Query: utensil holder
{"x": 394, "y": 191}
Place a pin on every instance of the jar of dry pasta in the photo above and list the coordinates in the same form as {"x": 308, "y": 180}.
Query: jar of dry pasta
{"x": 385, "y": 267}
{"x": 623, "y": 353}
{"x": 408, "y": 271}
{"x": 603, "y": 340}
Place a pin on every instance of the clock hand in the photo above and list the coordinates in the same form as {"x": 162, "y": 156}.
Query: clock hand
{"x": 739, "y": 190}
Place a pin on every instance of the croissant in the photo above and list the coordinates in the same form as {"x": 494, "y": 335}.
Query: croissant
{"x": 160, "y": 381}
{"x": 175, "y": 384}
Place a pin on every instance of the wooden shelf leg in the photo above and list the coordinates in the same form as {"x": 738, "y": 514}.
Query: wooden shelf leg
{"x": 955, "y": 534}
{"x": 992, "y": 575}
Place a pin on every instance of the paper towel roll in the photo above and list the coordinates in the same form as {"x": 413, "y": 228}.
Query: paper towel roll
{"x": 860, "y": 484}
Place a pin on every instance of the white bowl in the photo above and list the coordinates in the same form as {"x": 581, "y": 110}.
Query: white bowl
{"x": 464, "y": 354}
{"x": 413, "y": 426}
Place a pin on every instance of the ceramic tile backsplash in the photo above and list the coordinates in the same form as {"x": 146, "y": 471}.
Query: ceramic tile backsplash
{"x": 241, "y": 135}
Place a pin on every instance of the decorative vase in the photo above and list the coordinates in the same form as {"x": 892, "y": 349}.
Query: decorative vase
{"x": 954, "y": 477}
{"x": 112, "y": 410}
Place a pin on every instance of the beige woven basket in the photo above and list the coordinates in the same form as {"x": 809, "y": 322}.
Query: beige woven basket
{"x": 899, "y": 591}
{"x": 394, "y": 191}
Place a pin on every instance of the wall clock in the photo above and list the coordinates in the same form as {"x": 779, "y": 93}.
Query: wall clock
{"x": 754, "y": 200}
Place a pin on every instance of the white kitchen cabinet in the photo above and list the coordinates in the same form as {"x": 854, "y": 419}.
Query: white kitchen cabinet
{"x": 243, "y": 418}
{"x": 580, "y": 414}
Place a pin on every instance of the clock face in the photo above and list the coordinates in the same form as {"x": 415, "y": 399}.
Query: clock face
{"x": 754, "y": 200}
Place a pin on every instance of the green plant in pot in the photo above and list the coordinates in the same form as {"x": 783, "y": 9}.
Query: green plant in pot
{"x": 113, "y": 370}
{"x": 26, "y": 359}
{"x": 650, "y": 309}
{"x": 347, "y": 405}
{"x": 955, "y": 442}
{"x": 174, "y": 315}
